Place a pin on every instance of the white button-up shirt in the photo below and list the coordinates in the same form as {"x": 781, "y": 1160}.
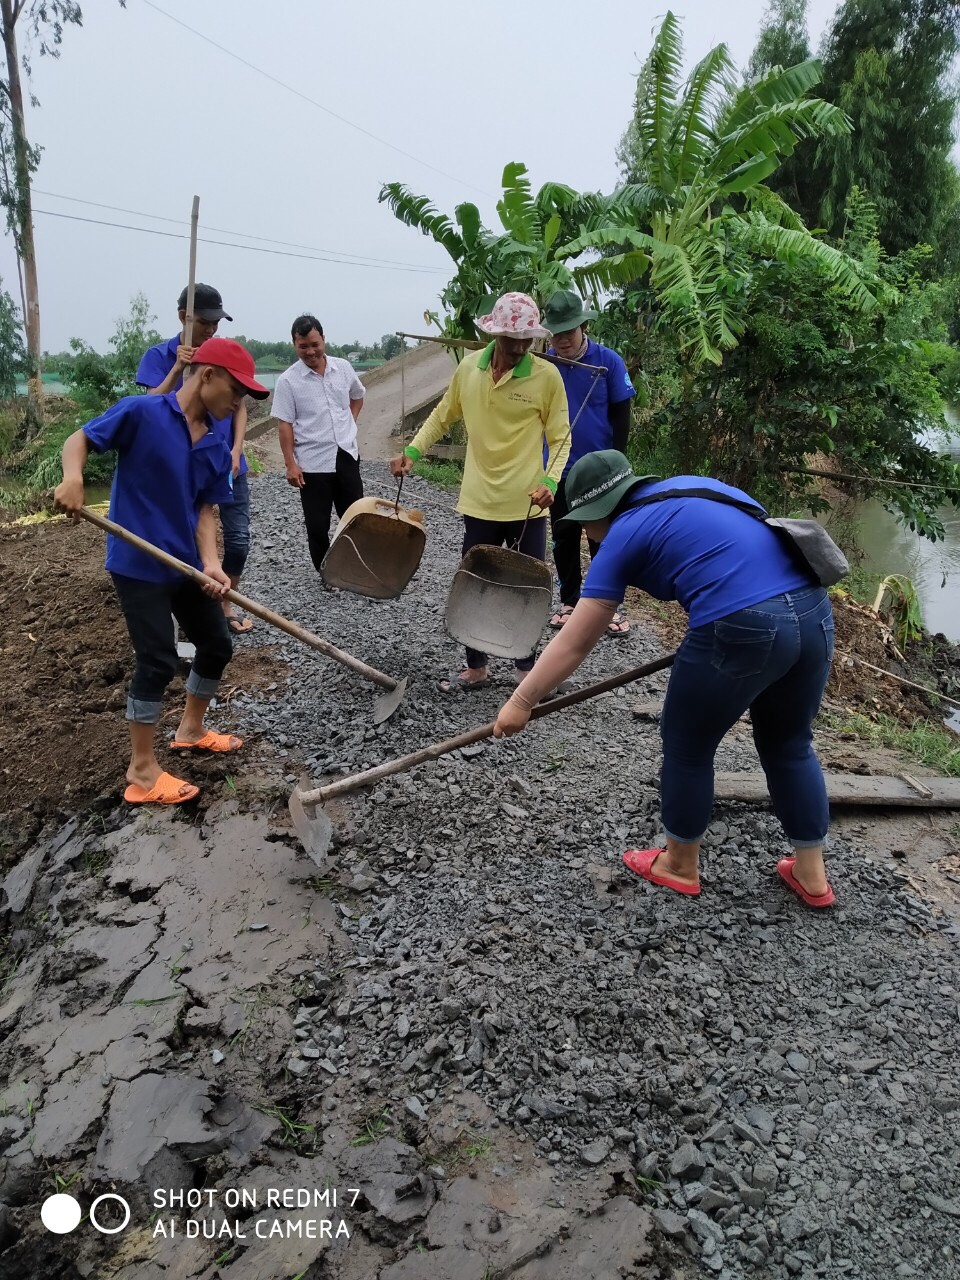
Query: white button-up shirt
{"x": 318, "y": 406}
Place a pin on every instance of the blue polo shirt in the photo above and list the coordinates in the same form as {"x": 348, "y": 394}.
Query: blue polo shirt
{"x": 711, "y": 558}
{"x": 593, "y": 431}
{"x": 154, "y": 367}
{"x": 161, "y": 481}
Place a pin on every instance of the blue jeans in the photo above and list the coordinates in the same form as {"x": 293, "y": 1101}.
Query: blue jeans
{"x": 773, "y": 658}
{"x": 235, "y": 522}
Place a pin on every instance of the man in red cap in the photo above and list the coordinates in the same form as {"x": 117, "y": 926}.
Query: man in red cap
{"x": 162, "y": 368}
{"x": 173, "y": 468}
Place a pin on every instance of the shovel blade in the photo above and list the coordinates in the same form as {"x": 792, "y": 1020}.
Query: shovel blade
{"x": 314, "y": 829}
{"x": 387, "y": 703}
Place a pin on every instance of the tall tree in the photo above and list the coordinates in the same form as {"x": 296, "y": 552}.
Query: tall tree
{"x": 45, "y": 20}
{"x": 783, "y": 42}
{"x": 889, "y": 65}
{"x": 13, "y": 357}
{"x": 783, "y": 39}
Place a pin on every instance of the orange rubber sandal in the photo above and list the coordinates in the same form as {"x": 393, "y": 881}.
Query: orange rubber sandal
{"x": 166, "y": 790}
{"x": 219, "y": 743}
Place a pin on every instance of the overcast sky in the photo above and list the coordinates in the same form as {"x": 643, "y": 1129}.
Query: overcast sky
{"x": 140, "y": 113}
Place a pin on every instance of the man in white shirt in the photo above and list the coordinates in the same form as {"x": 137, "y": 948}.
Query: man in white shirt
{"x": 316, "y": 403}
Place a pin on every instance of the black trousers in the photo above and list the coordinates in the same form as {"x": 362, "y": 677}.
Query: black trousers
{"x": 321, "y": 492}
{"x": 530, "y": 537}
{"x": 147, "y": 607}
{"x": 566, "y": 549}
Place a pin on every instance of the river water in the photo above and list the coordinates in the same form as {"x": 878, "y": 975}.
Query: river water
{"x": 933, "y": 567}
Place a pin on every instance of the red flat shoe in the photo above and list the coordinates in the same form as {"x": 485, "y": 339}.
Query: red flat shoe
{"x": 785, "y": 872}
{"x": 640, "y": 862}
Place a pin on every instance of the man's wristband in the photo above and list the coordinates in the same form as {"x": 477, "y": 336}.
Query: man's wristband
{"x": 411, "y": 452}
{"x": 551, "y": 485}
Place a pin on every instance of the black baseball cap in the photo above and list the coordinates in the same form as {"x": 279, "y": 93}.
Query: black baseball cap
{"x": 207, "y": 303}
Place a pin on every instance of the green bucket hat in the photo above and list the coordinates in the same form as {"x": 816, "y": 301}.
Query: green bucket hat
{"x": 596, "y": 483}
{"x": 565, "y": 311}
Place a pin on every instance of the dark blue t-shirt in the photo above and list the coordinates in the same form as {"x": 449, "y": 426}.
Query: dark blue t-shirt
{"x": 593, "y": 431}
{"x": 154, "y": 366}
{"x": 161, "y": 481}
{"x": 711, "y": 558}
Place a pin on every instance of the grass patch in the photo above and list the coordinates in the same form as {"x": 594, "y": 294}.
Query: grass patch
{"x": 95, "y": 862}
{"x": 254, "y": 1004}
{"x": 374, "y": 1128}
{"x": 922, "y": 741}
{"x": 322, "y": 886}
{"x": 649, "y": 1186}
{"x": 444, "y": 472}
{"x": 293, "y": 1135}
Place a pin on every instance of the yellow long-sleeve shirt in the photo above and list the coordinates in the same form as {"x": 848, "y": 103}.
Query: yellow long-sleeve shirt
{"x": 507, "y": 423}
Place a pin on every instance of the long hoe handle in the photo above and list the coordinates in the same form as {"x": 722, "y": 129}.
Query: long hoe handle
{"x": 251, "y": 606}
{"x": 192, "y": 274}
{"x": 401, "y": 765}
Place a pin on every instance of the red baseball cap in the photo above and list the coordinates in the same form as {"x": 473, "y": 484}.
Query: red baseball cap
{"x": 237, "y": 360}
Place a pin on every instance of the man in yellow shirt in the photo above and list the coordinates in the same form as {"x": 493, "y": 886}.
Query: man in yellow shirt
{"x": 514, "y": 410}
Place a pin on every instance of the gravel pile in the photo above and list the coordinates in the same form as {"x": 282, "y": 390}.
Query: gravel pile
{"x": 786, "y": 1082}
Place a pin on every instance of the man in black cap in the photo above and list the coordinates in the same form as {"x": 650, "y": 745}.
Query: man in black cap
{"x": 161, "y": 370}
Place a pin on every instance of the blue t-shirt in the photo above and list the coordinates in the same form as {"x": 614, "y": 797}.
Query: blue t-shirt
{"x": 593, "y": 431}
{"x": 710, "y": 557}
{"x": 154, "y": 366}
{"x": 161, "y": 481}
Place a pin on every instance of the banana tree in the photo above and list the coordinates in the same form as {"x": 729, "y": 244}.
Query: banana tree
{"x": 523, "y": 256}
{"x": 696, "y": 157}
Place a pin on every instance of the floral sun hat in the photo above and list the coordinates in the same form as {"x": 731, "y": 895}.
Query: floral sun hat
{"x": 514, "y": 315}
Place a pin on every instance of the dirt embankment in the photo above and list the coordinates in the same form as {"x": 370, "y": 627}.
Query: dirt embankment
{"x": 65, "y": 660}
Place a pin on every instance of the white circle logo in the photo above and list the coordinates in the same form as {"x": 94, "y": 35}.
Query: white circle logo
{"x": 60, "y": 1214}
{"x": 109, "y": 1231}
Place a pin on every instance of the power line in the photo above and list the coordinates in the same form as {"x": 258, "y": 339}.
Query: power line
{"x": 248, "y": 248}
{"x": 287, "y": 244}
{"x": 312, "y": 101}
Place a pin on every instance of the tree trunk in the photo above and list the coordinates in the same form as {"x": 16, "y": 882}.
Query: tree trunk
{"x": 24, "y": 218}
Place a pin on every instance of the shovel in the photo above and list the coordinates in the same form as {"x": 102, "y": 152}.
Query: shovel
{"x": 383, "y": 707}
{"x": 316, "y": 830}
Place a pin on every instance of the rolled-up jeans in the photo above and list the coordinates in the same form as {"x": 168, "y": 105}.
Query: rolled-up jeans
{"x": 235, "y": 523}
{"x": 773, "y": 659}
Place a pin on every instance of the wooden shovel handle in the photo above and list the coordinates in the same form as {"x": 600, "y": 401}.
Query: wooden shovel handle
{"x": 251, "y": 606}
{"x": 403, "y": 763}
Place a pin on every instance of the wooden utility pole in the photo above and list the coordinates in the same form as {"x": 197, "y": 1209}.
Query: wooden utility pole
{"x": 10, "y": 11}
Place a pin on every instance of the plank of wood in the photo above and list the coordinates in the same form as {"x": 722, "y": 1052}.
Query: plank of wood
{"x": 852, "y": 789}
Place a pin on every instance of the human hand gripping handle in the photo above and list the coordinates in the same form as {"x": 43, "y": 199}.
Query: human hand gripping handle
{"x": 541, "y": 497}
{"x": 221, "y": 583}
{"x": 402, "y": 465}
{"x": 69, "y": 496}
{"x": 511, "y": 718}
